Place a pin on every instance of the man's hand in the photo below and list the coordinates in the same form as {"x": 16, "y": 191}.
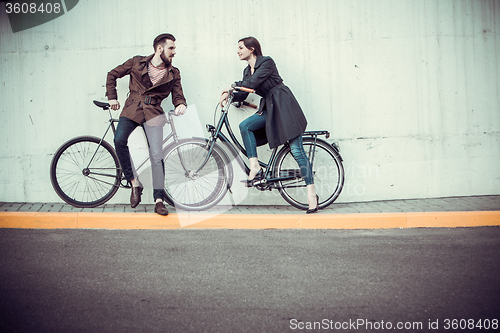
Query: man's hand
{"x": 180, "y": 110}
{"x": 114, "y": 104}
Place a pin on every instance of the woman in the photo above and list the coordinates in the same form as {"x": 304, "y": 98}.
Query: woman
{"x": 279, "y": 118}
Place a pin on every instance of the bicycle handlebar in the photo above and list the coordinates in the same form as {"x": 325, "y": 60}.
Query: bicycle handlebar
{"x": 250, "y": 105}
{"x": 248, "y": 90}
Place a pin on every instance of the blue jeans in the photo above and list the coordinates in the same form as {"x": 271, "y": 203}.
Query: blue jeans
{"x": 247, "y": 127}
{"x": 256, "y": 122}
{"x": 298, "y": 153}
{"x": 154, "y": 135}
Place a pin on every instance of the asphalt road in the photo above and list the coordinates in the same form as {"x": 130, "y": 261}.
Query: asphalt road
{"x": 249, "y": 281}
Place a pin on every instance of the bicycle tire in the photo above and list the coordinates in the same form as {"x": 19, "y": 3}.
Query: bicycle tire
{"x": 327, "y": 169}
{"x": 79, "y": 184}
{"x": 201, "y": 191}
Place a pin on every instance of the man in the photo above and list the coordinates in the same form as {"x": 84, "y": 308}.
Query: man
{"x": 152, "y": 79}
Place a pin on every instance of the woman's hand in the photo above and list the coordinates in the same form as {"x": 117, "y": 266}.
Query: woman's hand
{"x": 223, "y": 98}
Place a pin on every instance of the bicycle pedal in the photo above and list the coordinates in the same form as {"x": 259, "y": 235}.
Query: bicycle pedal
{"x": 260, "y": 182}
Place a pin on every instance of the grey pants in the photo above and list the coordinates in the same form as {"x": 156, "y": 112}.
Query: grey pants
{"x": 154, "y": 135}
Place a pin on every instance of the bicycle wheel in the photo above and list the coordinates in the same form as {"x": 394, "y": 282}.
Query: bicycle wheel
{"x": 327, "y": 169}
{"x": 191, "y": 190}
{"x": 85, "y": 172}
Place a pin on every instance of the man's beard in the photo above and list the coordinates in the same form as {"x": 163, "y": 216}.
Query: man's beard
{"x": 165, "y": 60}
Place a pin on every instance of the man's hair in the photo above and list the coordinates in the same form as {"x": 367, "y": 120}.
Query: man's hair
{"x": 252, "y": 42}
{"x": 162, "y": 39}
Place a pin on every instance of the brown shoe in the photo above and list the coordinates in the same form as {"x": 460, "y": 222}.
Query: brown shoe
{"x": 161, "y": 209}
{"x": 135, "y": 196}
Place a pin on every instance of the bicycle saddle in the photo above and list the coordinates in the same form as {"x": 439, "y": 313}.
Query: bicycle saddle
{"x": 102, "y": 105}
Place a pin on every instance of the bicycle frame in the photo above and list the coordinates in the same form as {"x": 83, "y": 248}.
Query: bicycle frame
{"x": 112, "y": 121}
{"x": 235, "y": 148}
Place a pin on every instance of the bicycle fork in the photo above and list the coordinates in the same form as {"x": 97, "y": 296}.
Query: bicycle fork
{"x": 211, "y": 142}
{"x": 209, "y": 147}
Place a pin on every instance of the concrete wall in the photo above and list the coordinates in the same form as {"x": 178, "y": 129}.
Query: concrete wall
{"x": 409, "y": 88}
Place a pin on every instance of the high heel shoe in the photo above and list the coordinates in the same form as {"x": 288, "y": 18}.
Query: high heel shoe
{"x": 258, "y": 176}
{"x": 314, "y": 210}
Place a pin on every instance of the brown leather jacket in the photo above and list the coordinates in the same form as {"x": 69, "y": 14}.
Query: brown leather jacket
{"x": 144, "y": 99}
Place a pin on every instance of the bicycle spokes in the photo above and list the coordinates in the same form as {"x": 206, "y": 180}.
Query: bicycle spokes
{"x": 195, "y": 179}
{"x": 85, "y": 172}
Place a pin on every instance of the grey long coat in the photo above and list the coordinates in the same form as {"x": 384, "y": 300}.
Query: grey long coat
{"x": 285, "y": 119}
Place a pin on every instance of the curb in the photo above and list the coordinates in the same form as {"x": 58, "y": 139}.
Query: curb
{"x": 130, "y": 221}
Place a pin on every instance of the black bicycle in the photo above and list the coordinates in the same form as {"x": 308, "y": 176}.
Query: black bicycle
{"x": 85, "y": 171}
{"x": 199, "y": 172}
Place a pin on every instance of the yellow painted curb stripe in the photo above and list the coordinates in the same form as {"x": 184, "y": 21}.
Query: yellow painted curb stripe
{"x": 23, "y": 220}
{"x": 453, "y": 219}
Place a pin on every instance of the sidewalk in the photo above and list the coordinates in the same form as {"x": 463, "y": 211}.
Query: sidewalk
{"x": 436, "y": 212}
